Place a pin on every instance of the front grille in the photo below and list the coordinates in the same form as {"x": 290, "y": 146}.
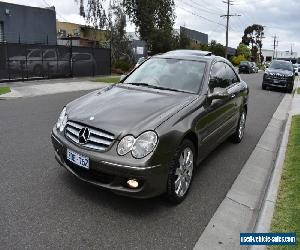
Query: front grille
{"x": 277, "y": 76}
{"x": 99, "y": 140}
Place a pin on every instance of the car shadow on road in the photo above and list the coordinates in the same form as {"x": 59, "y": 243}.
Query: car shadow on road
{"x": 103, "y": 197}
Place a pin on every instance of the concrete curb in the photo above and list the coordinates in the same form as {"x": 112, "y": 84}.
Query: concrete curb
{"x": 241, "y": 207}
{"x": 50, "y": 89}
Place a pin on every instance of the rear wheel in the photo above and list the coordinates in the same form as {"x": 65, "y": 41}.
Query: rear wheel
{"x": 238, "y": 135}
{"x": 181, "y": 172}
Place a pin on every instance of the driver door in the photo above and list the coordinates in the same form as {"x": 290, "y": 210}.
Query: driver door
{"x": 216, "y": 123}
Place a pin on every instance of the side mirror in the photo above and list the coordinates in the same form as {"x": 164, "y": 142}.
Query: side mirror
{"x": 218, "y": 95}
{"x": 122, "y": 77}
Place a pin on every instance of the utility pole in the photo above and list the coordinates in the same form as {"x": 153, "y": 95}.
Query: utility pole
{"x": 228, "y": 2}
{"x": 260, "y": 47}
{"x": 274, "y": 45}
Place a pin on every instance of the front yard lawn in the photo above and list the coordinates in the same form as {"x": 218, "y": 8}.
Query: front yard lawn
{"x": 108, "y": 79}
{"x": 4, "y": 90}
{"x": 287, "y": 210}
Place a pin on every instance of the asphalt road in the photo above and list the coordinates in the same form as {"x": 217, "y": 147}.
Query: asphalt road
{"x": 44, "y": 207}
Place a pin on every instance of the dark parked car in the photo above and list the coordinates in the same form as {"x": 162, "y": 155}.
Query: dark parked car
{"x": 280, "y": 74}
{"x": 245, "y": 67}
{"x": 145, "y": 136}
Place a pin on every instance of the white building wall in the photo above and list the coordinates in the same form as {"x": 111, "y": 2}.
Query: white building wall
{"x": 268, "y": 54}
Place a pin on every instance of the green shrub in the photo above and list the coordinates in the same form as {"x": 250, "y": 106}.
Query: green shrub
{"x": 236, "y": 60}
{"x": 123, "y": 65}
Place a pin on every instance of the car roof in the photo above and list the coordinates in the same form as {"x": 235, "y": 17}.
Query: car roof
{"x": 185, "y": 54}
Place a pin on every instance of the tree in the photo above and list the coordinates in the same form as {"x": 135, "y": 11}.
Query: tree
{"x": 253, "y": 36}
{"x": 216, "y": 48}
{"x": 154, "y": 22}
{"x": 95, "y": 15}
{"x": 117, "y": 35}
{"x": 243, "y": 50}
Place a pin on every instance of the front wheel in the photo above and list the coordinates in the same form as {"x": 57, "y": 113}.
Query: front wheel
{"x": 238, "y": 135}
{"x": 181, "y": 172}
{"x": 289, "y": 90}
{"x": 263, "y": 86}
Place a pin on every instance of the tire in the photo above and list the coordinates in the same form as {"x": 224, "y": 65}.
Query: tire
{"x": 289, "y": 90}
{"x": 263, "y": 86}
{"x": 238, "y": 135}
{"x": 181, "y": 175}
{"x": 38, "y": 70}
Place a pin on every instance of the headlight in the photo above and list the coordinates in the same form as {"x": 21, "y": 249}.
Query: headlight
{"x": 139, "y": 147}
{"x": 266, "y": 74}
{"x": 62, "y": 120}
{"x": 126, "y": 144}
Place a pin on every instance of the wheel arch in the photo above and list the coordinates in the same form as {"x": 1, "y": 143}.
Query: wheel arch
{"x": 190, "y": 135}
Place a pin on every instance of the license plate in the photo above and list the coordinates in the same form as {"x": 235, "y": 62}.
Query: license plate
{"x": 275, "y": 81}
{"x": 78, "y": 159}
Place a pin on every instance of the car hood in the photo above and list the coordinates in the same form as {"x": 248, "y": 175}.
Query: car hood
{"x": 123, "y": 109}
{"x": 280, "y": 71}
{"x": 17, "y": 58}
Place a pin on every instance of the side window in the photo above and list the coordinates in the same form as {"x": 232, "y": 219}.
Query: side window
{"x": 231, "y": 75}
{"x": 49, "y": 54}
{"x": 219, "y": 77}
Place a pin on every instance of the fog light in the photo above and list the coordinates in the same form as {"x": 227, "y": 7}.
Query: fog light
{"x": 133, "y": 183}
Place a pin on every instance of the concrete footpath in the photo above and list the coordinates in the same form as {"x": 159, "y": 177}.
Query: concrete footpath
{"x": 249, "y": 204}
{"x": 51, "y": 88}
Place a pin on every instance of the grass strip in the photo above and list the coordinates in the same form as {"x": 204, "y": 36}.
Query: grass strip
{"x": 4, "y": 90}
{"x": 287, "y": 210}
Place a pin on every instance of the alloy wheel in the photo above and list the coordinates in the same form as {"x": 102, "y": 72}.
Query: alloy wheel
{"x": 242, "y": 125}
{"x": 184, "y": 172}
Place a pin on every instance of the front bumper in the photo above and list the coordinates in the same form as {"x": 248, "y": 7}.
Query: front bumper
{"x": 112, "y": 175}
{"x": 278, "y": 83}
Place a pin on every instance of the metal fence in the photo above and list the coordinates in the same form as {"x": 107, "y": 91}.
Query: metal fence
{"x": 26, "y": 61}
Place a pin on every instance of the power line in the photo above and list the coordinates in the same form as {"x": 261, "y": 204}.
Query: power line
{"x": 48, "y": 5}
{"x": 204, "y": 8}
{"x": 199, "y": 9}
{"x": 202, "y": 17}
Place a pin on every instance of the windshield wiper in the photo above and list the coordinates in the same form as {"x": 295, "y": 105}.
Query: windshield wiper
{"x": 170, "y": 89}
{"x": 156, "y": 87}
{"x": 139, "y": 84}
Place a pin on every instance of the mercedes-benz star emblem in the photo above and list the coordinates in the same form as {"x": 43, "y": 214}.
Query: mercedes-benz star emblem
{"x": 84, "y": 135}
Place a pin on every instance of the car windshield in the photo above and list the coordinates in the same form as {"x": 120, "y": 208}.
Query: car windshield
{"x": 281, "y": 65}
{"x": 171, "y": 74}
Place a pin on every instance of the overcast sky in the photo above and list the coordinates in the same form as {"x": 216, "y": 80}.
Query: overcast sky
{"x": 280, "y": 17}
